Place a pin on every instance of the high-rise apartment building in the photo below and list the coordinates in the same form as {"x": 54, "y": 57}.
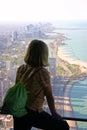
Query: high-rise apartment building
{"x": 6, "y": 122}
{"x": 52, "y": 67}
{"x": 8, "y": 64}
{"x": 14, "y": 35}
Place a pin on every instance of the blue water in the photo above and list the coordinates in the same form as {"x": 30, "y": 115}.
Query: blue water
{"x": 79, "y": 102}
{"x": 70, "y": 24}
{"x": 76, "y": 47}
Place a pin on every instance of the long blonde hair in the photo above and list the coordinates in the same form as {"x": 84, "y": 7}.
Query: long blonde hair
{"x": 37, "y": 54}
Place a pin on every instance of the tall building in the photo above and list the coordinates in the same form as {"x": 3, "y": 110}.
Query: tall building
{"x": 8, "y": 64}
{"x": 52, "y": 67}
{"x": 6, "y": 122}
{"x": 4, "y": 86}
{"x": 1, "y": 90}
{"x": 14, "y": 35}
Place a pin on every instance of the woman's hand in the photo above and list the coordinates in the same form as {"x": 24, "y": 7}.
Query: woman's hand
{"x": 57, "y": 115}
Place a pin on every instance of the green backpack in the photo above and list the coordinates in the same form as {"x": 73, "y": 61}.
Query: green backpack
{"x": 15, "y": 101}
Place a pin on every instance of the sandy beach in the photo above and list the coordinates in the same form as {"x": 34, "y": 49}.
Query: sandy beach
{"x": 83, "y": 67}
{"x": 62, "y": 54}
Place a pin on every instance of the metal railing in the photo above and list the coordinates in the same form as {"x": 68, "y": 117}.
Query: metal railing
{"x": 68, "y": 119}
{"x": 75, "y": 119}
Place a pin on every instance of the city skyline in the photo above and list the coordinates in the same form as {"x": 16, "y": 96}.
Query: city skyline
{"x": 42, "y": 10}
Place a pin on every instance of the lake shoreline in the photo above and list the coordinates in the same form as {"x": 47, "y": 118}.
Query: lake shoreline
{"x": 82, "y": 64}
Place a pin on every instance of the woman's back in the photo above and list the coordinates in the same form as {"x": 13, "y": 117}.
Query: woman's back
{"x": 35, "y": 86}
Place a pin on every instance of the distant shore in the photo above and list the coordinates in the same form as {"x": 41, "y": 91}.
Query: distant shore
{"x": 61, "y": 54}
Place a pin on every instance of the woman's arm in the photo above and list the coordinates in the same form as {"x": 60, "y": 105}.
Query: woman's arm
{"x": 51, "y": 103}
{"x": 45, "y": 82}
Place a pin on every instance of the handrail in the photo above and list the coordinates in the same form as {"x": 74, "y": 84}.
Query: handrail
{"x": 70, "y": 118}
{"x": 75, "y": 119}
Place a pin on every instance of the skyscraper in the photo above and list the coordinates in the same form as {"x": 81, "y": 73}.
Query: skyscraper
{"x": 52, "y": 67}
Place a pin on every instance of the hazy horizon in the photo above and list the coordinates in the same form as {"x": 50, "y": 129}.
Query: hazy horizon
{"x": 42, "y": 10}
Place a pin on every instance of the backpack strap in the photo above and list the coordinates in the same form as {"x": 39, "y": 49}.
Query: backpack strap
{"x": 29, "y": 73}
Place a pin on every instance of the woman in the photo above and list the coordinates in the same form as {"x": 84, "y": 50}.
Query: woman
{"x": 38, "y": 87}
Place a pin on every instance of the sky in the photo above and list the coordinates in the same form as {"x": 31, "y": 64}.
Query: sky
{"x": 42, "y": 10}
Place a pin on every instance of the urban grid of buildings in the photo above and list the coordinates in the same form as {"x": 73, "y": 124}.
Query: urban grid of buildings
{"x": 8, "y": 67}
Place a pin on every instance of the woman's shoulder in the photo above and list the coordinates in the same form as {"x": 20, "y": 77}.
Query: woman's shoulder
{"x": 44, "y": 71}
{"x": 22, "y": 68}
